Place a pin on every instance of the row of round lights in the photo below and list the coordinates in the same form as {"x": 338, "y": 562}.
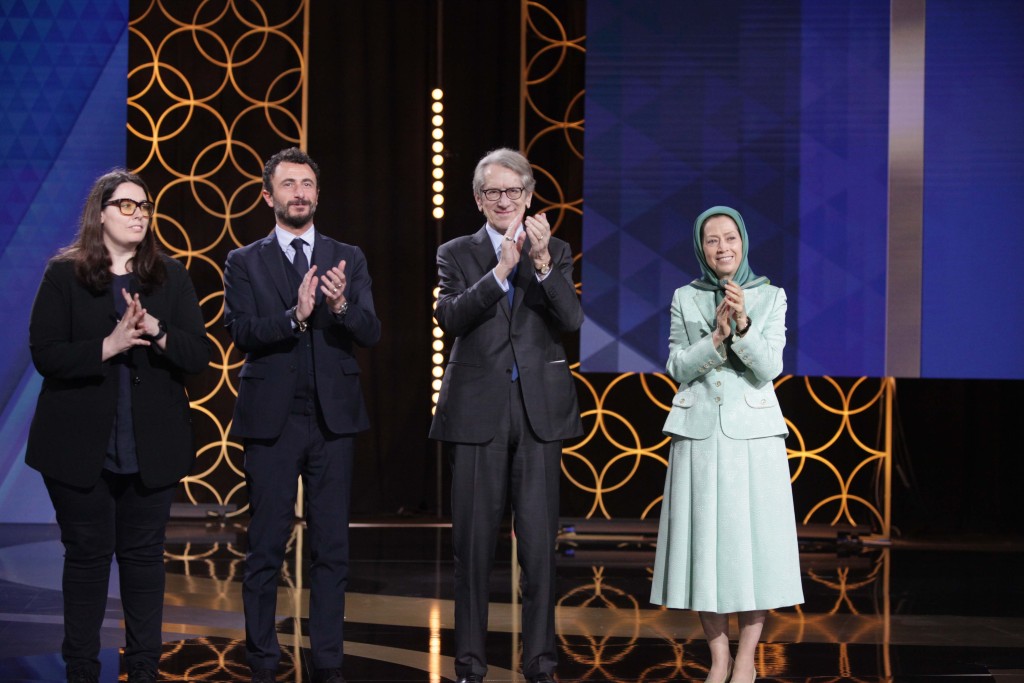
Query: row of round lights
{"x": 437, "y": 147}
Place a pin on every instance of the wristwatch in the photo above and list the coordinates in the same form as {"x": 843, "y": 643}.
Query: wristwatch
{"x": 544, "y": 269}
{"x": 300, "y": 325}
{"x": 343, "y": 311}
{"x": 161, "y": 333}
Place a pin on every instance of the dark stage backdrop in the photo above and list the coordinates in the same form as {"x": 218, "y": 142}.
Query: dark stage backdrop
{"x": 372, "y": 68}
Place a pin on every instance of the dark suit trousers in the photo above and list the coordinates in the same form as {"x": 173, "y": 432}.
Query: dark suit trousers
{"x": 116, "y": 515}
{"x": 324, "y": 461}
{"x": 514, "y": 467}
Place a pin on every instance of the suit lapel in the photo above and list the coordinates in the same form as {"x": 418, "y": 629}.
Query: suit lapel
{"x": 523, "y": 275}
{"x": 751, "y": 298}
{"x": 486, "y": 258}
{"x": 272, "y": 257}
{"x": 324, "y": 259}
{"x": 482, "y": 250}
{"x": 705, "y": 302}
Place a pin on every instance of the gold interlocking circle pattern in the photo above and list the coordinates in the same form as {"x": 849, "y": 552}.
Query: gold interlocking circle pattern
{"x": 214, "y": 88}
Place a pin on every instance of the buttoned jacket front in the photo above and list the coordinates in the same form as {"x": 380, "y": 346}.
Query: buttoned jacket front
{"x": 710, "y": 385}
{"x": 490, "y": 336}
{"x": 257, "y": 296}
{"x": 70, "y": 432}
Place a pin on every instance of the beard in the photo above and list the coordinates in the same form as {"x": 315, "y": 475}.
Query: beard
{"x": 286, "y": 219}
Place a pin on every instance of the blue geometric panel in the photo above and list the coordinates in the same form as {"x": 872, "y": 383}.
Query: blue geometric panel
{"x": 777, "y": 109}
{"x": 63, "y": 75}
{"x": 974, "y": 190}
{"x": 840, "y": 307}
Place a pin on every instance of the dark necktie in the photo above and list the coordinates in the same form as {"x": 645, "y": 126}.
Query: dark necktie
{"x": 511, "y": 294}
{"x": 300, "y": 261}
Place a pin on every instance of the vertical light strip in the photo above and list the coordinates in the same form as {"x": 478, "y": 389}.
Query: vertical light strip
{"x": 906, "y": 189}
{"x": 437, "y": 185}
{"x": 434, "y": 643}
{"x": 437, "y": 147}
{"x": 437, "y": 358}
{"x": 437, "y": 176}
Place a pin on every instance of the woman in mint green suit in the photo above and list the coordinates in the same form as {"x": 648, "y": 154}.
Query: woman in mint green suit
{"x": 727, "y": 537}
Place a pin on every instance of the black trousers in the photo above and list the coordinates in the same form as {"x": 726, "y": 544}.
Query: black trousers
{"x": 118, "y": 516}
{"x": 324, "y": 461}
{"x": 515, "y": 467}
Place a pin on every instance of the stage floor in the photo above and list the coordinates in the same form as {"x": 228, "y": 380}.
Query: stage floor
{"x": 910, "y": 612}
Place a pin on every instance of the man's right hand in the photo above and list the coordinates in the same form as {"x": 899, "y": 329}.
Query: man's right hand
{"x": 511, "y": 249}
{"x": 307, "y": 295}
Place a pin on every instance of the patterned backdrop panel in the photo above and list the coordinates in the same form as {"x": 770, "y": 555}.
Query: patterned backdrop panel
{"x": 62, "y": 67}
{"x": 779, "y": 110}
{"x": 214, "y": 89}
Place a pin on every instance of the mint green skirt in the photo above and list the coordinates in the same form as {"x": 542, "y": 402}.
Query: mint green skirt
{"x": 727, "y": 534}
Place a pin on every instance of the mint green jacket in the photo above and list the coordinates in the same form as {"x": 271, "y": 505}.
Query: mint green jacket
{"x": 709, "y": 386}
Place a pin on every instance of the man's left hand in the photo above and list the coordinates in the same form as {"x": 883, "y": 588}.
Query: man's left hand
{"x": 332, "y": 284}
{"x": 539, "y": 231}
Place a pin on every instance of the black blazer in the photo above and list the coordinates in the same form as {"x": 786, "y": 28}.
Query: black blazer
{"x": 489, "y": 335}
{"x": 257, "y": 298}
{"x": 71, "y": 427}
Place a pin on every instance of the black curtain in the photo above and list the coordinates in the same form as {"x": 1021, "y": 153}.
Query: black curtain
{"x": 372, "y": 66}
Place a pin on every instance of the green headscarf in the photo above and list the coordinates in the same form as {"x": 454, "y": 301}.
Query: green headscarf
{"x": 744, "y": 276}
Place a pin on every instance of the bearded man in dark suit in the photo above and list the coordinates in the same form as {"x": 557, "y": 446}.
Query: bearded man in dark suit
{"x": 296, "y": 303}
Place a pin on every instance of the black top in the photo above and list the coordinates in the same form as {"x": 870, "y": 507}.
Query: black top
{"x": 121, "y": 456}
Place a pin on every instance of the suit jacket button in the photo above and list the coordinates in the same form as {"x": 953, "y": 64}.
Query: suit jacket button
{"x": 136, "y": 380}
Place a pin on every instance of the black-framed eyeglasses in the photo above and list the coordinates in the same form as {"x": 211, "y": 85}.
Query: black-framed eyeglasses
{"x": 127, "y": 207}
{"x": 494, "y": 195}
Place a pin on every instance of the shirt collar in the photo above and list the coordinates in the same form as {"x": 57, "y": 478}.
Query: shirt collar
{"x": 284, "y": 238}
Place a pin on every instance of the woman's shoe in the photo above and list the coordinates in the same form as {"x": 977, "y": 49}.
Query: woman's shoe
{"x": 728, "y": 674}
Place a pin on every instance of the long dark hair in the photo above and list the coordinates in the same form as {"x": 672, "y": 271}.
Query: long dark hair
{"x": 89, "y": 253}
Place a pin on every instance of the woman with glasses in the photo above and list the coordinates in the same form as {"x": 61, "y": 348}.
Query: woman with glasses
{"x": 727, "y": 537}
{"x": 115, "y": 327}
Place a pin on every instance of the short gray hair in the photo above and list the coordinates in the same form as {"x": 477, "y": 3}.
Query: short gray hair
{"x": 510, "y": 159}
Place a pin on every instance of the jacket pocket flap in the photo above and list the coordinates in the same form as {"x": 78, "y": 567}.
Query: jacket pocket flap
{"x": 761, "y": 399}
{"x": 350, "y": 366}
{"x": 684, "y": 399}
{"x": 251, "y": 370}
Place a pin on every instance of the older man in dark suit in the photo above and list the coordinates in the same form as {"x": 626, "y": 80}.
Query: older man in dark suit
{"x": 506, "y": 402}
{"x": 296, "y": 303}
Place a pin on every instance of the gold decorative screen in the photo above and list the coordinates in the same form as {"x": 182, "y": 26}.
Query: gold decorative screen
{"x": 214, "y": 89}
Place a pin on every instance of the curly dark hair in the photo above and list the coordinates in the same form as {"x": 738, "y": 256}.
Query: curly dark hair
{"x": 89, "y": 253}
{"x": 292, "y": 155}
